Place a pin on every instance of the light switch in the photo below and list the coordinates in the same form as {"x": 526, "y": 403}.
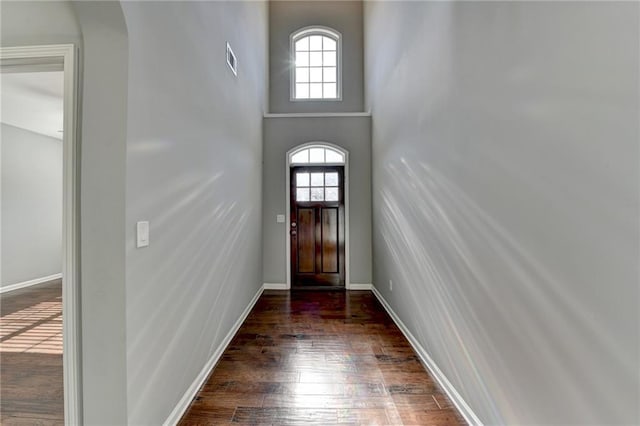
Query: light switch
{"x": 142, "y": 231}
{"x": 280, "y": 218}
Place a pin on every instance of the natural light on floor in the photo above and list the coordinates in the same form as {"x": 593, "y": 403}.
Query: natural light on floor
{"x": 35, "y": 329}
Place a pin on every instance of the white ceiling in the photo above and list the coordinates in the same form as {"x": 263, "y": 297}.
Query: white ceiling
{"x": 33, "y": 101}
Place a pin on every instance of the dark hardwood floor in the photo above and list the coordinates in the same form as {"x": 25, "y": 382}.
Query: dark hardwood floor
{"x": 31, "y": 387}
{"x": 320, "y": 358}
{"x": 312, "y": 358}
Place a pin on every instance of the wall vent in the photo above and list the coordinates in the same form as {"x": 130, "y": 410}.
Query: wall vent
{"x": 231, "y": 60}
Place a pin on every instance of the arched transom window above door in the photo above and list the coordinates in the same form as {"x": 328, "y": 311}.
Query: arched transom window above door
{"x": 316, "y": 73}
{"x": 317, "y": 154}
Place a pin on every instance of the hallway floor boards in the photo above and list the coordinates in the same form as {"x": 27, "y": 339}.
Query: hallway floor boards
{"x": 320, "y": 358}
{"x": 31, "y": 384}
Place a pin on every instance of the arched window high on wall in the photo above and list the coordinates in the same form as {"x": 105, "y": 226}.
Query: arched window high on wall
{"x": 316, "y": 57}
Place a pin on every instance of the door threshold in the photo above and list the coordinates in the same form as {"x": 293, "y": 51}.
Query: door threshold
{"x": 319, "y": 288}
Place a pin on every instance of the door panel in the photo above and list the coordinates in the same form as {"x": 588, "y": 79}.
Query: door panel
{"x": 306, "y": 240}
{"x": 317, "y": 226}
{"x": 330, "y": 240}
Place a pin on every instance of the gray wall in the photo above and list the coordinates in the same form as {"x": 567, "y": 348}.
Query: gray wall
{"x": 194, "y": 172}
{"x": 505, "y": 194}
{"x": 282, "y": 134}
{"x": 26, "y": 23}
{"x": 31, "y": 205}
{"x": 286, "y": 17}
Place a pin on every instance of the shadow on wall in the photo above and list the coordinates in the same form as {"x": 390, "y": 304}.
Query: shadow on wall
{"x": 446, "y": 265}
{"x": 204, "y": 277}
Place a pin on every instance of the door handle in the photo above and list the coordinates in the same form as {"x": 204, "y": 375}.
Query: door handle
{"x": 293, "y": 229}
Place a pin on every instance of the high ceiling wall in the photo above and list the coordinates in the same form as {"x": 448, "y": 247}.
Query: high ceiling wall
{"x": 505, "y": 199}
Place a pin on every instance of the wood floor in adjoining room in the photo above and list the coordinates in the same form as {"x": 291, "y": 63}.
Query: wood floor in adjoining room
{"x": 31, "y": 383}
{"x": 320, "y": 358}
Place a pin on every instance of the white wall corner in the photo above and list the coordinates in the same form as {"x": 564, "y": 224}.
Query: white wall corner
{"x": 464, "y": 408}
{"x": 24, "y": 284}
{"x": 192, "y": 391}
{"x": 275, "y": 286}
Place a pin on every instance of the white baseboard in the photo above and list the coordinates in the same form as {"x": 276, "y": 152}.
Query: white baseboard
{"x": 428, "y": 362}
{"x": 360, "y": 286}
{"x": 283, "y": 286}
{"x": 29, "y": 283}
{"x": 186, "y": 400}
{"x": 275, "y": 286}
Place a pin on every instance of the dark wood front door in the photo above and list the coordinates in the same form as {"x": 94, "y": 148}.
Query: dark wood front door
{"x": 317, "y": 226}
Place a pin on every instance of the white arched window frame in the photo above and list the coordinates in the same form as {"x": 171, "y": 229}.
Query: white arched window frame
{"x": 317, "y": 154}
{"x": 316, "y": 64}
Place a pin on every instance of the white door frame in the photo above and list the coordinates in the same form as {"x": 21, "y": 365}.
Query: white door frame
{"x": 26, "y": 56}
{"x": 347, "y": 267}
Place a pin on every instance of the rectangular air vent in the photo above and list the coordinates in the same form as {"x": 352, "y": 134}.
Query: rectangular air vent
{"x": 231, "y": 60}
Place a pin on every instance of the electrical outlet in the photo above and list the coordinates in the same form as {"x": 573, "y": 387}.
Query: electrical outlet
{"x": 390, "y": 285}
